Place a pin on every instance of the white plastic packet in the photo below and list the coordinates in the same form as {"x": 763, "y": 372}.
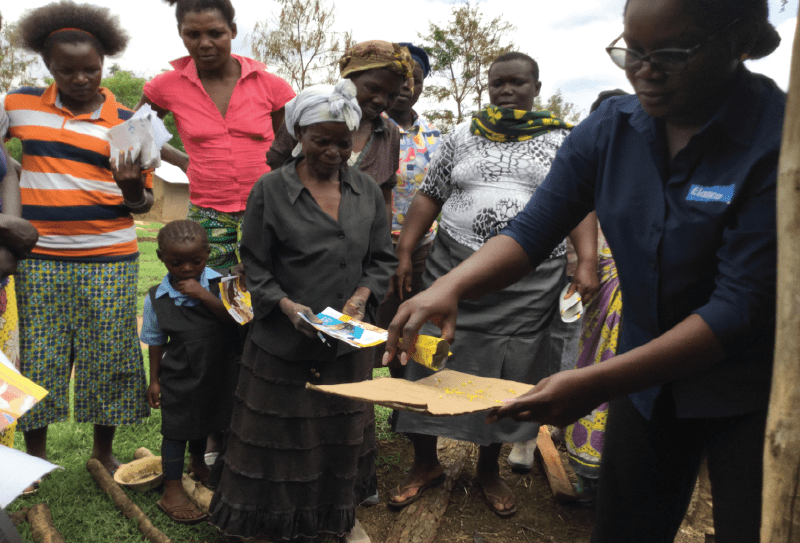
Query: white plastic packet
{"x": 142, "y": 135}
{"x": 570, "y": 308}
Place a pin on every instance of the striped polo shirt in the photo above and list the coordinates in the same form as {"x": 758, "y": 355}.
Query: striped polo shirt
{"x": 68, "y": 189}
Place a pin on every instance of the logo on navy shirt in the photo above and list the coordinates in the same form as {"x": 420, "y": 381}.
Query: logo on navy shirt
{"x": 699, "y": 193}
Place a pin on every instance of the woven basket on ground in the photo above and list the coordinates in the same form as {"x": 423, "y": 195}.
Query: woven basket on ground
{"x": 141, "y": 474}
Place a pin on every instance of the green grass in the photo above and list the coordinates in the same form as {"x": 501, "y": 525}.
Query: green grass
{"x": 151, "y": 270}
{"x": 84, "y": 513}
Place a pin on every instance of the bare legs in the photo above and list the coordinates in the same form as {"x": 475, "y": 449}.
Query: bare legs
{"x": 36, "y": 445}
{"x": 427, "y": 467}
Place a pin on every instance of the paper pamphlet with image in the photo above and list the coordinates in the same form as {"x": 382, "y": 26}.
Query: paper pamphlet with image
{"x": 347, "y": 329}
{"x": 429, "y": 351}
{"x": 236, "y": 298}
{"x": 142, "y": 135}
{"x": 17, "y": 393}
{"x": 445, "y": 393}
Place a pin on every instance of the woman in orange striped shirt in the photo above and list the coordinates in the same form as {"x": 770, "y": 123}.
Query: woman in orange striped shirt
{"x": 77, "y": 292}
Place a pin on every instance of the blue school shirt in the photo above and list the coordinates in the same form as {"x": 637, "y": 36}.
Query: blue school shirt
{"x": 691, "y": 235}
{"x": 151, "y": 333}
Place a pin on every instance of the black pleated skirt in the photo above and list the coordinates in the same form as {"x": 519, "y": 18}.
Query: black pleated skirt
{"x": 298, "y": 462}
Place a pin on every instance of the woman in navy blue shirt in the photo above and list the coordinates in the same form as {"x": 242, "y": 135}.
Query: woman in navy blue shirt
{"x": 683, "y": 179}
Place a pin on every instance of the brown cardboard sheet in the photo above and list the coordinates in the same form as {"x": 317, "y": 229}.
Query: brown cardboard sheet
{"x": 446, "y": 393}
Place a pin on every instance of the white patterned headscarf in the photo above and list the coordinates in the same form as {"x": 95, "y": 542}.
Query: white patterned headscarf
{"x": 323, "y": 103}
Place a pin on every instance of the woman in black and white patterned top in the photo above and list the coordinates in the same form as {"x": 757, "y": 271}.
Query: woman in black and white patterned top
{"x": 482, "y": 175}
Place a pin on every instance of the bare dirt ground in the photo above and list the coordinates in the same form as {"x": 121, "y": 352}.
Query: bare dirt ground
{"x": 539, "y": 518}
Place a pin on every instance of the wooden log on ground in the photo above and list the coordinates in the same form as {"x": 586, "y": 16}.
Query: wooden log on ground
{"x": 560, "y": 484}
{"x": 780, "y": 512}
{"x": 42, "y": 528}
{"x": 197, "y": 493}
{"x": 124, "y": 503}
{"x": 419, "y": 522}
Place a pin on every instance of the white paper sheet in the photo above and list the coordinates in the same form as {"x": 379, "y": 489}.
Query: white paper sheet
{"x": 18, "y": 471}
{"x": 142, "y": 135}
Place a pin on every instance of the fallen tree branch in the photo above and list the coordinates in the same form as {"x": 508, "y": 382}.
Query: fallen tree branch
{"x": 194, "y": 490}
{"x": 560, "y": 484}
{"x": 42, "y": 528}
{"x": 124, "y": 503}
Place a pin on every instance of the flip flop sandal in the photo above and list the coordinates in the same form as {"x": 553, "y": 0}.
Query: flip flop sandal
{"x": 436, "y": 481}
{"x": 492, "y": 500}
{"x": 183, "y": 508}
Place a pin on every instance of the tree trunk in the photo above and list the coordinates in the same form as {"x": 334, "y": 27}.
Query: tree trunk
{"x": 781, "y": 502}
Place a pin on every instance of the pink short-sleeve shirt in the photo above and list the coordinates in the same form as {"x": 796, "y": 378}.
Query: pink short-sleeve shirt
{"x": 227, "y": 154}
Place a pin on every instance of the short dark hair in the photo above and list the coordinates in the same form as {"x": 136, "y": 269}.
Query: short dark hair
{"x": 84, "y": 23}
{"x": 605, "y": 95}
{"x": 517, "y": 55}
{"x": 182, "y": 232}
{"x": 717, "y": 14}
{"x": 182, "y": 7}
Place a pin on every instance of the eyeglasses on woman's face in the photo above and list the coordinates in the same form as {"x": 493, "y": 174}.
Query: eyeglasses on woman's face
{"x": 668, "y": 61}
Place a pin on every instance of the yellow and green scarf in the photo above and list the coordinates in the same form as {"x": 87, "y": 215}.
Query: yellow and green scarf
{"x": 501, "y": 124}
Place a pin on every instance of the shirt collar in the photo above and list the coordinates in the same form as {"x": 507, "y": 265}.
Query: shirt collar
{"x": 165, "y": 288}
{"x": 107, "y": 110}
{"x": 294, "y": 186}
{"x": 188, "y": 68}
{"x": 416, "y": 126}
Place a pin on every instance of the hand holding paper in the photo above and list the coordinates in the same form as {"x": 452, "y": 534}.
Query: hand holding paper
{"x": 142, "y": 136}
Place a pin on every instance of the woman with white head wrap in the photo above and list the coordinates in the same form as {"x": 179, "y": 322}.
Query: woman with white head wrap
{"x": 315, "y": 236}
{"x": 323, "y": 103}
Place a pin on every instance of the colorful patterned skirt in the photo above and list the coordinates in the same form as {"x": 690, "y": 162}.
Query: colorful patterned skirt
{"x": 598, "y": 343}
{"x": 9, "y": 340}
{"x": 81, "y": 315}
{"x": 224, "y": 233}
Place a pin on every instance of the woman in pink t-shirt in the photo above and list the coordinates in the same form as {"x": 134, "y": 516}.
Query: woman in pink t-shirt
{"x": 227, "y": 109}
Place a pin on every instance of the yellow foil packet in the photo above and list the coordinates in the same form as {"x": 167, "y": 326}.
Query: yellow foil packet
{"x": 430, "y": 351}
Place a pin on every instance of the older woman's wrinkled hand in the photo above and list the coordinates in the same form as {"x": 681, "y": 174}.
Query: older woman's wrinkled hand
{"x": 559, "y": 400}
{"x": 400, "y": 283}
{"x": 356, "y": 306}
{"x": 292, "y": 310}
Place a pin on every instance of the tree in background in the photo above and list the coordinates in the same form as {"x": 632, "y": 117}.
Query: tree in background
{"x": 460, "y": 54}
{"x": 566, "y": 111}
{"x": 127, "y": 89}
{"x": 300, "y": 44}
{"x": 16, "y": 65}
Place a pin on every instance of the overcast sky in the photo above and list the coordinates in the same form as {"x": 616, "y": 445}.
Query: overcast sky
{"x": 566, "y": 38}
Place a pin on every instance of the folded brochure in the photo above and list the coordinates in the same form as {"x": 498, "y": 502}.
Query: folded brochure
{"x": 429, "y": 351}
{"x": 445, "y": 393}
{"x": 347, "y": 329}
{"x": 236, "y": 298}
{"x": 17, "y": 393}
